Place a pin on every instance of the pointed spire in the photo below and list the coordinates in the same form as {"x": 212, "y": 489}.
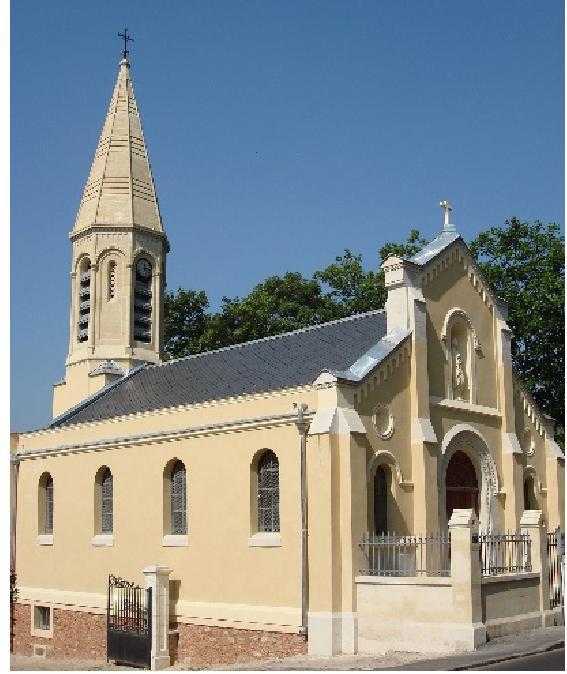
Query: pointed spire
{"x": 120, "y": 188}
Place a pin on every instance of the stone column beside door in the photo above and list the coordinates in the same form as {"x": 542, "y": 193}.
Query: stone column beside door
{"x": 157, "y": 577}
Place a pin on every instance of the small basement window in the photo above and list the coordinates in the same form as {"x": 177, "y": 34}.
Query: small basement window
{"x": 42, "y": 621}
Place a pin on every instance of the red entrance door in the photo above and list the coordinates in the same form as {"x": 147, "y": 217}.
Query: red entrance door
{"x": 461, "y": 484}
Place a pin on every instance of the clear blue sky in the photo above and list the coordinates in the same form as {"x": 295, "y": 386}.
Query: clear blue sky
{"x": 280, "y": 133}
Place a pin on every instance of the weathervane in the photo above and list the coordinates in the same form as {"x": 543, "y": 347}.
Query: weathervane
{"x": 447, "y": 208}
{"x": 126, "y": 39}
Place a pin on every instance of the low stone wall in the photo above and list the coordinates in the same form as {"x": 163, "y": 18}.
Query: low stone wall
{"x": 407, "y": 614}
{"x": 76, "y": 634}
{"x": 204, "y": 646}
{"x": 510, "y": 603}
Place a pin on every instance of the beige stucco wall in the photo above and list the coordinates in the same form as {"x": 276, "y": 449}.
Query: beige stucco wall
{"x": 394, "y": 451}
{"x": 217, "y": 575}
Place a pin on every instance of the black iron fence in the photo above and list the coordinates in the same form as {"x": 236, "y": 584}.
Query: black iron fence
{"x": 556, "y": 558}
{"x": 395, "y": 555}
{"x": 504, "y": 553}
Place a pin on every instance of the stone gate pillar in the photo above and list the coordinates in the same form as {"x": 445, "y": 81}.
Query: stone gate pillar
{"x": 157, "y": 577}
{"x": 533, "y": 524}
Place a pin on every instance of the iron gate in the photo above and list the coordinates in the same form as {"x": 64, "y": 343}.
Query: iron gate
{"x": 556, "y": 559}
{"x": 129, "y": 623}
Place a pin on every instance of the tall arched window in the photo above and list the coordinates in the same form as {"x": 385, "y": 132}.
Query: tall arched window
{"x": 381, "y": 501}
{"x": 143, "y": 301}
{"x": 111, "y": 280}
{"x": 84, "y": 300}
{"x": 178, "y": 499}
{"x": 268, "y": 492}
{"x": 45, "y": 504}
{"x": 530, "y": 500}
{"x": 106, "y": 503}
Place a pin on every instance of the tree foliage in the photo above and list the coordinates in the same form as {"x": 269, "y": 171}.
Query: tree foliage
{"x": 525, "y": 265}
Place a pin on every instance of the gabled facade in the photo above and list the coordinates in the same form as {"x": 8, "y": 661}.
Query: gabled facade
{"x": 196, "y": 465}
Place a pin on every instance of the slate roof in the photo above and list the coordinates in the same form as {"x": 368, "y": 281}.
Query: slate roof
{"x": 284, "y": 361}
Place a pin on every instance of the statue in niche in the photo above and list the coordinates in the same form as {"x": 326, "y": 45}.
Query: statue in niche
{"x": 459, "y": 373}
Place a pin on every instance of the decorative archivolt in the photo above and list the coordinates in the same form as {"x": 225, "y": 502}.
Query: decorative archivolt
{"x": 380, "y": 458}
{"x": 109, "y": 252}
{"x": 458, "y": 314}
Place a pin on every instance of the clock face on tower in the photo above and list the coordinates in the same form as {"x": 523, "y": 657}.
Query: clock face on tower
{"x": 143, "y": 269}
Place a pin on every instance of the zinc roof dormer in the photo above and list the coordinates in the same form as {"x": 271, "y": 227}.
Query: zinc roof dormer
{"x": 120, "y": 189}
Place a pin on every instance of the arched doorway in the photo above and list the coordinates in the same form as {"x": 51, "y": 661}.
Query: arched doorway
{"x": 380, "y": 501}
{"x": 461, "y": 484}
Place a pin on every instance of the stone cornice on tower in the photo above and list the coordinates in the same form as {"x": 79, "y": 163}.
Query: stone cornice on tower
{"x": 120, "y": 188}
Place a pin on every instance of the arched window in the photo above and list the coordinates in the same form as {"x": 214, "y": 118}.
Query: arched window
{"x": 84, "y": 300}
{"x": 111, "y": 280}
{"x": 106, "y": 503}
{"x": 268, "y": 492}
{"x": 143, "y": 301}
{"x": 381, "y": 501}
{"x": 530, "y": 500}
{"x": 45, "y": 504}
{"x": 178, "y": 499}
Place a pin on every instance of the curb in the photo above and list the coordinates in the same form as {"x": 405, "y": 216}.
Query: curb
{"x": 513, "y": 656}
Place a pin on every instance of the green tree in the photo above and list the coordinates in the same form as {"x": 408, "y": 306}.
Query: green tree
{"x": 350, "y": 287}
{"x": 525, "y": 265}
{"x": 413, "y": 245}
{"x": 278, "y": 304}
{"x": 185, "y": 322}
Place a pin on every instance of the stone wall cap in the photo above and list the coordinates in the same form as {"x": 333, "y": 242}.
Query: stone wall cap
{"x": 463, "y": 517}
{"x": 157, "y": 568}
{"x": 533, "y": 518}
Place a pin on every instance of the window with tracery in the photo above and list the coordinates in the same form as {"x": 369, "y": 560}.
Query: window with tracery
{"x": 178, "y": 496}
{"x": 106, "y": 503}
{"x": 268, "y": 492}
{"x": 48, "y": 494}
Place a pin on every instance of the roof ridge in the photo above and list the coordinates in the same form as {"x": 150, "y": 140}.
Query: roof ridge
{"x": 352, "y": 317}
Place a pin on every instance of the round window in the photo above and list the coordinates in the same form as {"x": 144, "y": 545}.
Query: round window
{"x": 383, "y": 421}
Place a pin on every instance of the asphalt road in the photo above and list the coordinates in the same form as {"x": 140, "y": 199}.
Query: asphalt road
{"x": 551, "y": 661}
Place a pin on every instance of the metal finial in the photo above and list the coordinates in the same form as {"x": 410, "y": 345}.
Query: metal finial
{"x": 447, "y": 208}
{"x": 126, "y": 39}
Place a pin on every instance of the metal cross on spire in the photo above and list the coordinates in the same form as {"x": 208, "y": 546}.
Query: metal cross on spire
{"x": 126, "y": 39}
{"x": 447, "y": 208}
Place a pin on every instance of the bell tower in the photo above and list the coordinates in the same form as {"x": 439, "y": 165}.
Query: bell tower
{"x": 118, "y": 259}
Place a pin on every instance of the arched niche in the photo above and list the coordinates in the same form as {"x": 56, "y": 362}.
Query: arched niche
{"x": 461, "y": 346}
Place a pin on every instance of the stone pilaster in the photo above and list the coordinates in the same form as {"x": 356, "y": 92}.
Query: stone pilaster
{"x": 533, "y": 524}
{"x": 157, "y": 578}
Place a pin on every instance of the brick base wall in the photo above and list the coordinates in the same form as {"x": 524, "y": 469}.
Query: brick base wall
{"x": 76, "y": 634}
{"x": 204, "y": 646}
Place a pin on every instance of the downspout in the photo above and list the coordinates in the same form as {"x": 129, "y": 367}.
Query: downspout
{"x": 302, "y": 426}
{"x": 14, "y": 470}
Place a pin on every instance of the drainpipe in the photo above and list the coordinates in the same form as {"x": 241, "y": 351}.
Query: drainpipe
{"x": 14, "y": 469}
{"x": 302, "y": 426}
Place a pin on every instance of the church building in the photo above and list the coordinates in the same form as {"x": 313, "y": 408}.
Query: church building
{"x": 241, "y": 484}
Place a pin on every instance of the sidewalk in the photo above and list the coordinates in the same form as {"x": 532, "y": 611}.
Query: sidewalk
{"x": 503, "y": 648}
